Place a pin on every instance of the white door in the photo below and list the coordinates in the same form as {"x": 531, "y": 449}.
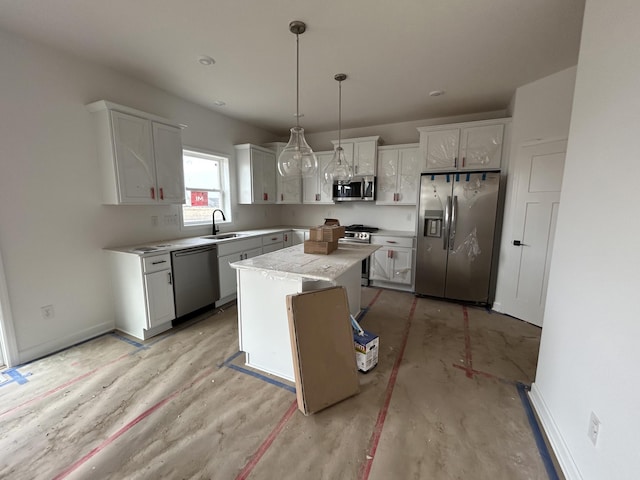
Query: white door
{"x": 540, "y": 169}
{"x": 167, "y": 147}
{"x": 160, "y": 302}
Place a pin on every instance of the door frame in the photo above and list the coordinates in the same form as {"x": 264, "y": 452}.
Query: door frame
{"x": 7, "y": 332}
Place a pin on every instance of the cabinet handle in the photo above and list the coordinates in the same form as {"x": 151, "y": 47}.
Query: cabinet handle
{"x": 170, "y": 280}
{"x": 161, "y": 194}
{"x": 455, "y": 162}
{"x": 153, "y": 193}
{"x": 463, "y": 161}
{"x": 159, "y": 262}
{"x": 273, "y": 239}
{"x": 317, "y": 197}
{"x": 356, "y": 169}
{"x": 282, "y": 197}
{"x": 265, "y": 196}
{"x": 286, "y": 237}
{"x": 391, "y": 241}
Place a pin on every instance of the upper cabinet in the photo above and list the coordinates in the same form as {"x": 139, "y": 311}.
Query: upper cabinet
{"x": 314, "y": 189}
{"x": 399, "y": 168}
{"x": 140, "y": 156}
{"x": 463, "y": 146}
{"x": 256, "y": 174}
{"x": 288, "y": 189}
{"x": 362, "y": 153}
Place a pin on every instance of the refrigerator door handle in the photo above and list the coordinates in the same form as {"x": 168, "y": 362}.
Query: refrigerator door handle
{"x": 454, "y": 218}
{"x": 447, "y": 224}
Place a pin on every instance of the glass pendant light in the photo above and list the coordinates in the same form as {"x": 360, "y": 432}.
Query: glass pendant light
{"x": 297, "y": 159}
{"x": 339, "y": 169}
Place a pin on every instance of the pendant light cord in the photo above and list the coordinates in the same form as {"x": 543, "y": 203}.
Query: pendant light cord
{"x": 339, "y": 112}
{"x": 297, "y": 80}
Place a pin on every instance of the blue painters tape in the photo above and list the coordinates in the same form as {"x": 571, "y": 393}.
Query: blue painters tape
{"x": 533, "y": 423}
{"x": 262, "y": 377}
{"x": 14, "y": 377}
{"x": 433, "y": 177}
{"x": 230, "y": 359}
{"x": 457, "y": 177}
{"x": 128, "y": 340}
{"x": 484, "y": 176}
{"x": 468, "y": 177}
{"x": 448, "y": 178}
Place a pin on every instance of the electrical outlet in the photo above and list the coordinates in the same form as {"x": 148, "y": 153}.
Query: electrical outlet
{"x": 594, "y": 428}
{"x": 154, "y": 220}
{"x": 47, "y": 312}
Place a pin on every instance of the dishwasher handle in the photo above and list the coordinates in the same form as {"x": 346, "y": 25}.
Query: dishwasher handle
{"x": 194, "y": 251}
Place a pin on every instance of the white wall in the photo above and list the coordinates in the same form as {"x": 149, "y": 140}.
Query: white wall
{"x": 541, "y": 110}
{"x": 52, "y": 225}
{"x": 589, "y": 348}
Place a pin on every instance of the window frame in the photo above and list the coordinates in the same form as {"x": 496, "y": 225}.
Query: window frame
{"x": 225, "y": 188}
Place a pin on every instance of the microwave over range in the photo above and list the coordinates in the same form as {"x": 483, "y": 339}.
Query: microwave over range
{"x": 359, "y": 189}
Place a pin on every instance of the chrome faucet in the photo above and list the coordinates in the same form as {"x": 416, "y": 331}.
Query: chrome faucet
{"x": 215, "y": 229}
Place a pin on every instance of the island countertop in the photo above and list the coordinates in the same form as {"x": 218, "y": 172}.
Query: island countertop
{"x": 292, "y": 262}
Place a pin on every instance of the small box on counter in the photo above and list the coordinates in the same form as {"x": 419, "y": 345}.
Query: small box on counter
{"x": 326, "y": 233}
{"x": 366, "y": 350}
{"x": 323, "y": 248}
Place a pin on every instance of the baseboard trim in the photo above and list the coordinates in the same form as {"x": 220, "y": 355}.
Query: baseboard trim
{"x": 560, "y": 449}
{"x": 59, "y": 344}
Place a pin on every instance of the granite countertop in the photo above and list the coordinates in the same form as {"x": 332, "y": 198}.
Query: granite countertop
{"x": 292, "y": 262}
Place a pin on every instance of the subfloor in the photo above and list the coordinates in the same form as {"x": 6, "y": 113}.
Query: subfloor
{"x": 444, "y": 402}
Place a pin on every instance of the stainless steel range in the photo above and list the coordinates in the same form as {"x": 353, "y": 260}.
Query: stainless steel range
{"x": 360, "y": 234}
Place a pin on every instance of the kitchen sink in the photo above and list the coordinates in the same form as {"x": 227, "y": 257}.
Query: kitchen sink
{"x": 223, "y": 236}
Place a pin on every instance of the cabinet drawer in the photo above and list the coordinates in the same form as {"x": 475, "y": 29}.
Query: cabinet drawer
{"x": 156, "y": 263}
{"x": 273, "y": 238}
{"x": 234, "y": 246}
{"x": 392, "y": 241}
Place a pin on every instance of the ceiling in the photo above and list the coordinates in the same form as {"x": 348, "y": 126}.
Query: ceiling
{"x": 394, "y": 53}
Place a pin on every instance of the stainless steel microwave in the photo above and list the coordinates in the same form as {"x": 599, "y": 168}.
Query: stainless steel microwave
{"x": 360, "y": 189}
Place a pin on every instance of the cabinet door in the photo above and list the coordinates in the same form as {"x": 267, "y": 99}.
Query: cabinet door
{"x": 440, "y": 149}
{"x": 379, "y": 268}
{"x": 253, "y": 253}
{"x": 409, "y": 168}
{"x": 401, "y": 265}
{"x": 288, "y": 239}
{"x": 257, "y": 187}
{"x": 167, "y": 147}
{"x": 289, "y": 190}
{"x": 268, "y": 160}
{"x": 273, "y": 247}
{"x": 481, "y": 147}
{"x": 387, "y": 186}
{"x": 227, "y": 275}
{"x": 159, "y": 292}
{"x": 135, "y": 166}
{"x": 365, "y": 157}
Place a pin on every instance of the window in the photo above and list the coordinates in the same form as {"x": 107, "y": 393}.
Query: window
{"x": 206, "y": 183}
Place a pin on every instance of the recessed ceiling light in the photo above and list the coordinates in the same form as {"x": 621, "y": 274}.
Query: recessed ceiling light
{"x": 436, "y": 93}
{"x": 219, "y": 103}
{"x": 205, "y": 60}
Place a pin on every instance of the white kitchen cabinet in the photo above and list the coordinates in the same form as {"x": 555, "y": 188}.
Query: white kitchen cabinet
{"x": 233, "y": 251}
{"x": 288, "y": 189}
{"x": 143, "y": 288}
{"x": 288, "y": 239}
{"x": 361, "y": 153}
{"x": 272, "y": 242}
{"x": 139, "y": 154}
{"x": 299, "y": 236}
{"x": 398, "y": 181}
{"x": 256, "y": 174}
{"x": 392, "y": 265}
{"x": 315, "y": 190}
{"x": 463, "y": 146}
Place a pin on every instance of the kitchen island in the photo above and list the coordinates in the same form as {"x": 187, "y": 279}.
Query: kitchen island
{"x": 265, "y": 281}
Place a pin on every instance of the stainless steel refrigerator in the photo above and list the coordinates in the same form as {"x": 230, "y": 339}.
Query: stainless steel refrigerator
{"x": 456, "y": 228}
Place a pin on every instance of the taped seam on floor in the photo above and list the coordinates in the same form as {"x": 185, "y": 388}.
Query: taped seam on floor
{"x": 227, "y": 363}
{"x": 128, "y": 340}
{"x": 109, "y": 440}
{"x": 14, "y": 377}
{"x": 537, "y": 433}
{"x": 467, "y": 343}
{"x": 365, "y": 468}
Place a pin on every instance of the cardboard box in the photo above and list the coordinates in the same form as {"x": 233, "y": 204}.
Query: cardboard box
{"x": 322, "y": 348}
{"x": 366, "y": 346}
{"x": 324, "y": 248}
{"x": 326, "y": 233}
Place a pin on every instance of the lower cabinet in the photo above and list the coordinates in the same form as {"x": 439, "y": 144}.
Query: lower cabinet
{"x": 230, "y": 252}
{"x": 143, "y": 291}
{"x": 392, "y": 265}
{"x": 272, "y": 242}
{"x": 299, "y": 236}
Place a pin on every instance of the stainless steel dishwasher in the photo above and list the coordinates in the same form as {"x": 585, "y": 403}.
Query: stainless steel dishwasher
{"x": 195, "y": 278}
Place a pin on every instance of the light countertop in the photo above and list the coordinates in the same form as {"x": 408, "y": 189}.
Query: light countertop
{"x": 292, "y": 262}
